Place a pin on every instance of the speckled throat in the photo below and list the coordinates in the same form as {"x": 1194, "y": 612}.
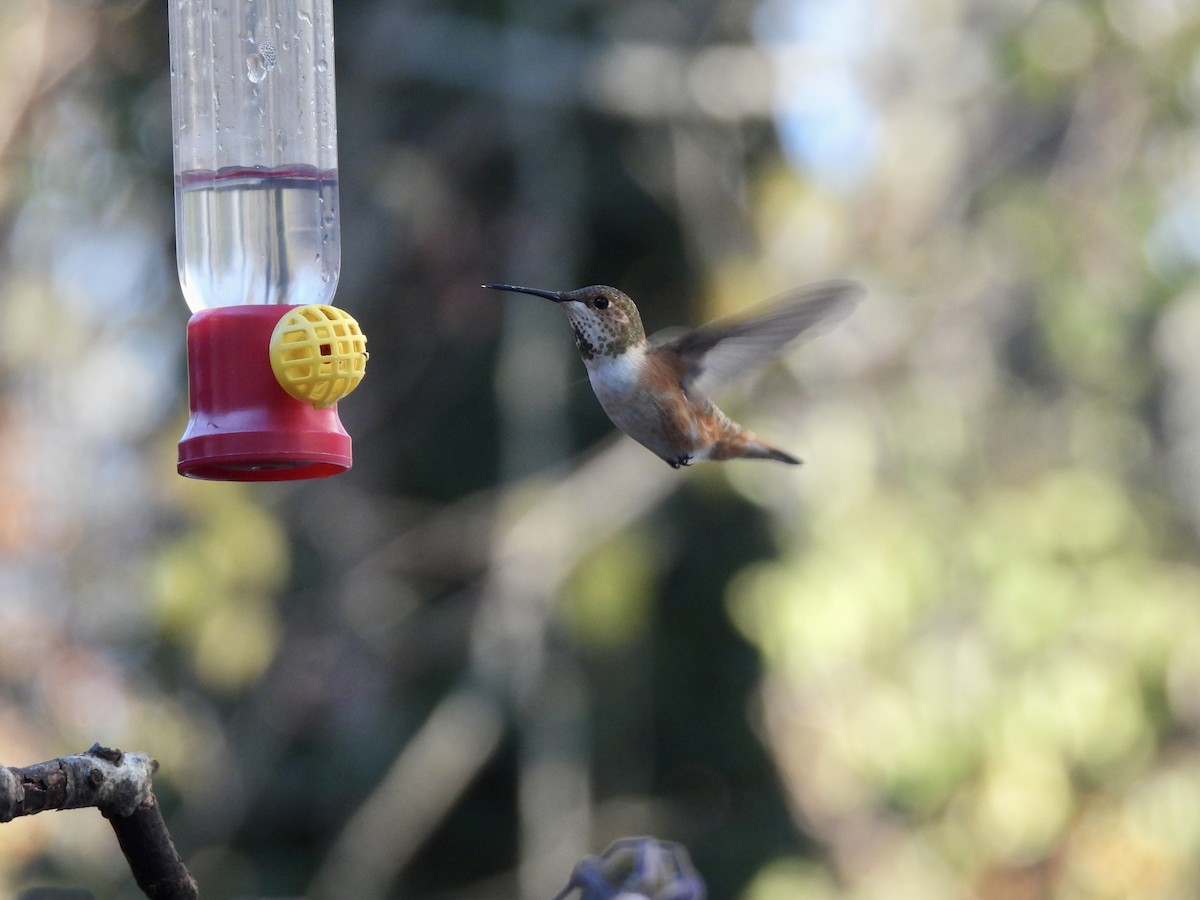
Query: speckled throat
{"x": 594, "y": 339}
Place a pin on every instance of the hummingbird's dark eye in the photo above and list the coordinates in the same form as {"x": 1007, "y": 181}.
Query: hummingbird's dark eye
{"x": 600, "y": 303}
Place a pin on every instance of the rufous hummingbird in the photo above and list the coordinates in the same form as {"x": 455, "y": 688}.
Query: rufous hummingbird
{"x": 657, "y": 390}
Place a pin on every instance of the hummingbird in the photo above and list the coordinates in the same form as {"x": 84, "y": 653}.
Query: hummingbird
{"x": 657, "y": 389}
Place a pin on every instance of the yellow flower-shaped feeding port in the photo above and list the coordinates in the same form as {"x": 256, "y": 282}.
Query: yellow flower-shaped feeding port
{"x": 318, "y": 354}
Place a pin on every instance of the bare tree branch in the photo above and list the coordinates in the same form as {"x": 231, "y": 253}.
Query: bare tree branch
{"x": 119, "y": 785}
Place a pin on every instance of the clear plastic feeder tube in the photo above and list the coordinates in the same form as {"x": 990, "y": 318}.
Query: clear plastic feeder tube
{"x": 256, "y": 195}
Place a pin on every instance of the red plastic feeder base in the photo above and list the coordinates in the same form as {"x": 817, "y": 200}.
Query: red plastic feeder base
{"x": 244, "y": 426}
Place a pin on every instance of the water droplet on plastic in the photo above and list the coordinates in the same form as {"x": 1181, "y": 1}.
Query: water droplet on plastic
{"x": 256, "y": 68}
{"x": 322, "y": 65}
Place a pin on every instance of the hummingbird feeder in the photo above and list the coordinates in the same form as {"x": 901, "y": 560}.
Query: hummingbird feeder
{"x": 258, "y": 240}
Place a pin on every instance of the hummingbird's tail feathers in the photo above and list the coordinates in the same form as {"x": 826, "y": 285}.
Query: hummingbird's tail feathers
{"x": 766, "y": 451}
{"x": 777, "y": 454}
{"x": 746, "y": 445}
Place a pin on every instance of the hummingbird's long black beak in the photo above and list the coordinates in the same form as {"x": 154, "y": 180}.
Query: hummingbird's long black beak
{"x": 556, "y": 296}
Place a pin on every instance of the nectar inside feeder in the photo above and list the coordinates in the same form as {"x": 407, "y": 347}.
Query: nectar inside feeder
{"x": 258, "y": 240}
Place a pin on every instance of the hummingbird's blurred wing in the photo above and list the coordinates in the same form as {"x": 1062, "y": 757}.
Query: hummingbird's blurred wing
{"x": 715, "y": 354}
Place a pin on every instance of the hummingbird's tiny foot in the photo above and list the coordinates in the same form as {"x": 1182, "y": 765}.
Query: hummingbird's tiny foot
{"x": 685, "y": 460}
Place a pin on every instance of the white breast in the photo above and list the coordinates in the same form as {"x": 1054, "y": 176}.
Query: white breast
{"x": 614, "y": 378}
{"x": 635, "y": 410}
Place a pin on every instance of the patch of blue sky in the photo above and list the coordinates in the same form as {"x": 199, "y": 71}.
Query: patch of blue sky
{"x": 1172, "y": 246}
{"x": 827, "y": 124}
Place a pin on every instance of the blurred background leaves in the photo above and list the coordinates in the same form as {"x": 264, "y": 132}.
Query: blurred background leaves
{"x": 953, "y": 656}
